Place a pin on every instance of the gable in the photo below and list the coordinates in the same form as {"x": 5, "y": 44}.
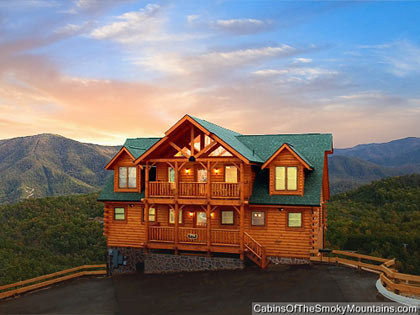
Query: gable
{"x": 122, "y": 157}
{"x": 181, "y": 138}
{"x": 287, "y": 154}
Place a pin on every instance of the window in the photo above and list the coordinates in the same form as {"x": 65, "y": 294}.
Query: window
{"x": 201, "y": 218}
{"x": 231, "y": 174}
{"x": 119, "y": 214}
{"x": 258, "y": 218}
{"x": 172, "y": 216}
{"x": 171, "y": 175}
{"x": 152, "y": 214}
{"x": 286, "y": 175}
{"x": 127, "y": 177}
{"x": 227, "y": 217}
{"x": 294, "y": 219}
{"x": 202, "y": 176}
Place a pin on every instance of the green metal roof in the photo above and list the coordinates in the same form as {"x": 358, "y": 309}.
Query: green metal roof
{"x": 308, "y": 146}
{"x": 257, "y": 149}
{"x": 108, "y": 194}
{"x": 137, "y": 146}
{"x": 231, "y": 138}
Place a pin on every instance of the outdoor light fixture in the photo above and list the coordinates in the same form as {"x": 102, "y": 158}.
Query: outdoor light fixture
{"x": 281, "y": 209}
{"x": 216, "y": 171}
{"x": 191, "y": 213}
{"x": 212, "y": 215}
{"x": 187, "y": 171}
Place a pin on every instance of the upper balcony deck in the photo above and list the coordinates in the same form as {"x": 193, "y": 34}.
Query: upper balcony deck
{"x": 216, "y": 190}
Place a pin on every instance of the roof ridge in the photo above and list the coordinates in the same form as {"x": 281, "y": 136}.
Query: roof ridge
{"x": 285, "y": 134}
{"x": 209, "y": 122}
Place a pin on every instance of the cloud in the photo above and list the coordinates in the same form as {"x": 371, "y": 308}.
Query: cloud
{"x": 302, "y": 60}
{"x": 401, "y": 58}
{"x": 297, "y": 73}
{"x": 134, "y": 27}
{"x": 242, "y": 26}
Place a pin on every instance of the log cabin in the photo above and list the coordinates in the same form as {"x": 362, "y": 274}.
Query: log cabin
{"x": 206, "y": 189}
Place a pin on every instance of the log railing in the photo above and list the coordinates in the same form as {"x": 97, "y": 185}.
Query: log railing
{"x": 162, "y": 189}
{"x": 46, "y": 280}
{"x": 390, "y": 278}
{"x": 193, "y": 235}
{"x": 161, "y": 233}
{"x": 225, "y": 190}
{"x": 225, "y": 237}
{"x": 193, "y": 189}
{"x": 255, "y": 248}
{"x": 186, "y": 235}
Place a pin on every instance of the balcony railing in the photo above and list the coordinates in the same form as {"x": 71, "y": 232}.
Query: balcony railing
{"x": 198, "y": 236}
{"x": 225, "y": 190}
{"x": 161, "y": 189}
{"x": 195, "y": 190}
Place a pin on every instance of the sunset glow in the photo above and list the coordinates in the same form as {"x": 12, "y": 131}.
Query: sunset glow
{"x": 103, "y": 71}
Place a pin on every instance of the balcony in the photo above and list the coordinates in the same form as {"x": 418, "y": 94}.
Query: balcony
{"x": 194, "y": 236}
{"x": 195, "y": 190}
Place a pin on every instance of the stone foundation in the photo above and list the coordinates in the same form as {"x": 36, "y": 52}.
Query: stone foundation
{"x": 134, "y": 256}
{"x": 164, "y": 263}
{"x": 288, "y": 260}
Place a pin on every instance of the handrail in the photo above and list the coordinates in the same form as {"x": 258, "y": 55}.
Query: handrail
{"x": 390, "y": 278}
{"x": 20, "y": 286}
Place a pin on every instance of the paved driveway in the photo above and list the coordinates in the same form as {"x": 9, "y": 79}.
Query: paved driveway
{"x": 223, "y": 292}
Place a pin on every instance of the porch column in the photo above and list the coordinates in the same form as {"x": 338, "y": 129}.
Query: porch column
{"x": 176, "y": 180}
{"x": 241, "y": 231}
{"x": 208, "y": 227}
{"x": 146, "y": 179}
{"x": 242, "y": 212}
{"x": 146, "y": 220}
{"x": 208, "y": 180}
{"x": 176, "y": 233}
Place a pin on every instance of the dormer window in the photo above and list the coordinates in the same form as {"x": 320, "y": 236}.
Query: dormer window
{"x": 127, "y": 177}
{"x": 286, "y": 178}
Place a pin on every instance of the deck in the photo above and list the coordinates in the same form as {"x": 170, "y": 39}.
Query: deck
{"x": 194, "y": 190}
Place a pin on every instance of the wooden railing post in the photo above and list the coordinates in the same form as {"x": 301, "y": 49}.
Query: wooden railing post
{"x": 146, "y": 220}
{"x": 146, "y": 178}
{"x": 241, "y": 232}
{"x": 208, "y": 180}
{"x": 176, "y": 227}
{"x": 208, "y": 212}
{"x": 176, "y": 181}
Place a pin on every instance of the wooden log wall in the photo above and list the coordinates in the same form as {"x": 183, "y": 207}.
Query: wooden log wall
{"x": 277, "y": 238}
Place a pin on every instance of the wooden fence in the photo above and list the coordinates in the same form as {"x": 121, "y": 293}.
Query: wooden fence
{"x": 399, "y": 283}
{"x": 46, "y": 280}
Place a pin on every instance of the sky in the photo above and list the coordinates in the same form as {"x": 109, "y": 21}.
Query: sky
{"x": 101, "y": 71}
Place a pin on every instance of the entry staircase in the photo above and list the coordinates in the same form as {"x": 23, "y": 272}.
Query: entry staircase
{"x": 255, "y": 251}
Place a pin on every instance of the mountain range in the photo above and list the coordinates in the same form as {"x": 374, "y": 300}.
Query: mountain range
{"x": 349, "y": 168}
{"x": 50, "y": 165}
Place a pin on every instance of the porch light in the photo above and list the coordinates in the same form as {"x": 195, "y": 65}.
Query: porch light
{"x": 187, "y": 171}
{"x": 216, "y": 171}
{"x": 191, "y": 213}
{"x": 212, "y": 215}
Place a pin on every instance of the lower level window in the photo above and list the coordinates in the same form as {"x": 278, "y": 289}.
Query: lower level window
{"x": 152, "y": 215}
{"x": 119, "y": 214}
{"x": 201, "y": 218}
{"x": 172, "y": 216}
{"x": 258, "y": 218}
{"x": 227, "y": 217}
{"x": 294, "y": 219}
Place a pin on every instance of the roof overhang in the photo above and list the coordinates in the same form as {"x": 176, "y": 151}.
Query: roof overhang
{"x": 122, "y": 150}
{"x": 201, "y": 128}
{"x": 285, "y": 146}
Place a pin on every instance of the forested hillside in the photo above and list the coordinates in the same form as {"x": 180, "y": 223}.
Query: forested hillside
{"x": 380, "y": 219}
{"x": 50, "y": 165}
{"x": 41, "y": 236}
{"x": 352, "y": 167}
